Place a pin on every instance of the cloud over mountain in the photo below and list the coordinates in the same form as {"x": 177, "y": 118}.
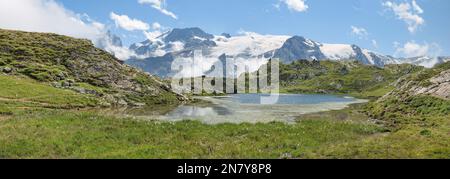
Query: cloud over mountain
{"x": 127, "y": 23}
{"x": 413, "y": 49}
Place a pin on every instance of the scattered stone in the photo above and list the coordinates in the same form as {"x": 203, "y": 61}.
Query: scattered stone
{"x": 105, "y": 104}
{"x": 379, "y": 78}
{"x": 66, "y": 84}
{"x": 56, "y": 84}
{"x": 70, "y": 81}
{"x": 79, "y": 90}
{"x": 286, "y": 156}
{"x": 93, "y": 92}
{"x": 344, "y": 71}
{"x": 122, "y": 102}
{"x": 137, "y": 104}
{"x": 7, "y": 69}
{"x": 61, "y": 76}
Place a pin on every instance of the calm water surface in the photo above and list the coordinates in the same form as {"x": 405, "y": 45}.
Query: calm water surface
{"x": 246, "y": 108}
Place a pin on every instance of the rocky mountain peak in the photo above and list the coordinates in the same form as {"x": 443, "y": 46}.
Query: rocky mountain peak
{"x": 187, "y": 34}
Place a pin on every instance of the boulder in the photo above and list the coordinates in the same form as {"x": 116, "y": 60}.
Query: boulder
{"x": 66, "y": 84}
{"x": 56, "y": 84}
{"x": 7, "y": 69}
{"x": 61, "y": 76}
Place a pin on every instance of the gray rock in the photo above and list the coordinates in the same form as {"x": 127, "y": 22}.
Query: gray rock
{"x": 79, "y": 90}
{"x": 137, "y": 104}
{"x": 286, "y": 156}
{"x": 70, "y": 81}
{"x": 440, "y": 86}
{"x": 379, "y": 78}
{"x": 66, "y": 84}
{"x": 7, "y": 69}
{"x": 56, "y": 84}
{"x": 61, "y": 76}
{"x": 122, "y": 102}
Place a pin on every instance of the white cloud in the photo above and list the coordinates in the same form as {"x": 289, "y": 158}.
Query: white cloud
{"x": 47, "y": 16}
{"x": 159, "y": 5}
{"x": 121, "y": 53}
{"x": 127, "y": 23}
{"x": 408, "y": 12}
{"x": 416, "y": 7}
{"x": 374, "y": 43}
{"x": 360, "y": 32}
{"x": 156, "y": 26}
{"x": 413, "y": 49}
{"x": 296, "y": 5}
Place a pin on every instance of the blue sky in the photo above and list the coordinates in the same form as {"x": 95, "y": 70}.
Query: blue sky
{"x": 328, "y": 21}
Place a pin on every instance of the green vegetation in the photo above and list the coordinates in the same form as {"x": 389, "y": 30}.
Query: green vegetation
{"x": 420, "y": 129}
{"x": 59, "y": 134}
{"x": 76, "y": 64}
{"x": 21, "y": 89}
{"x": 31, "y": 130}
{"x": 44, "y": 114}
{"x": 341, "y": 78}
{"x": 419, "y": 123}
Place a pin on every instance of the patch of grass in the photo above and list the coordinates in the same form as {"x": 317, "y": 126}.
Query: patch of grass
{"x": 5, "y": 110}
{"x": 61, "y": 134}
{"x": 416, "y": 110}
{"x": 410, "y": 142}
{"x": 27, "y": 90}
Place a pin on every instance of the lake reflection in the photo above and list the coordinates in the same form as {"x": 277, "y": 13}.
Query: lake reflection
{"x": 197, "y": 111}
{"x": 246, "y": 108}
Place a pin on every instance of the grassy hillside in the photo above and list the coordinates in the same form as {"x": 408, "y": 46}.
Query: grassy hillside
{"x": 341, "y": 77}
{"x": 417, "y": 112}
{"x": 76, "y": 64}
{"x": 22, "y": 89}
{"x": 411, "y": 103}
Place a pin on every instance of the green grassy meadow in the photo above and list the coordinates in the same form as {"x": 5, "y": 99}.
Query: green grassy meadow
{"x": 33, "y": 125}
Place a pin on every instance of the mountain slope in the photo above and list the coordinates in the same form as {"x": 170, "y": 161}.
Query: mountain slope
{"x": 417, "y": 98}
{"x": 298, "y": 47}
{"x": 351, "y": 77}
{"x": 76, "y": 64}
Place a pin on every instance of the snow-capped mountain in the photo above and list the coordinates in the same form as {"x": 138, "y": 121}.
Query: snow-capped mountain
{"x": 301, "y": 48}
{"x": 174, "y": 41}
{"x": 250, "y": 49}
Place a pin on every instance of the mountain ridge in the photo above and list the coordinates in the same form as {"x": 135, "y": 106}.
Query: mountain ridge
{"x": 181, "y": 43}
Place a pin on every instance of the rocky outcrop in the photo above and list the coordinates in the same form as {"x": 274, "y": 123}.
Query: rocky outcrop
{"x": 434, "y": 82}
{"x": 439, "y": 87}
